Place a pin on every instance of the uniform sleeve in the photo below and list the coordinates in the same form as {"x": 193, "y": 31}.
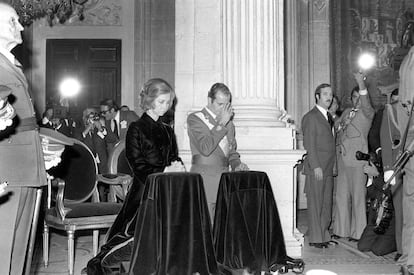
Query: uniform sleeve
{"x": 234, "y": 156}
{"x": 205, "y": 140}
{"x": 366, "y": 107}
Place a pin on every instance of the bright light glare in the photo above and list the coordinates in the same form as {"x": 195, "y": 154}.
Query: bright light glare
{"x": 320, "y": 272}
{"x": 366, "y": 61}
{"x": 69, "y": 87}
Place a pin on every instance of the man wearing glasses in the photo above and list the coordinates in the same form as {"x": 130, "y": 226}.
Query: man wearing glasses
{"x": 116, "y": 122}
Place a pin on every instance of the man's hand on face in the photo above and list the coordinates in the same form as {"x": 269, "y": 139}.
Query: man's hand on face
{"x": 226, "y": 114}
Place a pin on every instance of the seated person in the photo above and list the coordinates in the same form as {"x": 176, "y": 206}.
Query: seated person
{"x": 57, "y": 118}
{"x": 379, "y": 244}
{"x": 47, "y": 117}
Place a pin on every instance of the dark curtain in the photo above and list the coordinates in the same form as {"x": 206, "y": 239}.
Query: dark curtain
{"x": 374, "y": 26}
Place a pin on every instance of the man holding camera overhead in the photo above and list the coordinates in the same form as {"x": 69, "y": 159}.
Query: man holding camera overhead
{"x": 350, "y": 198}
{"x": 91, "y": 133}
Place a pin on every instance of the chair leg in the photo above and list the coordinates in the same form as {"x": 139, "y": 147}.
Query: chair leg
{"x": 95, "y": 242}
{"x": 71, "y": 250}
{"x": 33, "y": 231}
{"x": 46, "y": 244}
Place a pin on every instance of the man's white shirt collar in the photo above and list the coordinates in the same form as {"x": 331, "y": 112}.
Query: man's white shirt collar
{"x": 323, "y": 111}
{"x": 8, "y": 55}
{"x": 117, "y": 116}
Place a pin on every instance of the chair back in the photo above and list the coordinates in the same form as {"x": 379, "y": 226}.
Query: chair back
{"x": 117, "y": 161}
{"x": 78, "y": 169}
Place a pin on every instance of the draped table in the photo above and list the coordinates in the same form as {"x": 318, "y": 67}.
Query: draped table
{"x": 247, "y": 232}
{"x": 173, "y": 231}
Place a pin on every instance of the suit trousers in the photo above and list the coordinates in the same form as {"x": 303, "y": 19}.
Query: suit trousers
{"x": 351, "y": 217}
{"x": 319, "y": 198}
{"x": 16, "y": 214}
{"x": 407, "y": 258}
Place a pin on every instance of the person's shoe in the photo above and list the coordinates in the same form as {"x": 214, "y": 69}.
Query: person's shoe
{"x": 318, "y": 245}
{"x": 331, "y": 242}
{"x": 404, "y": 271}
{"x": 335, "y": 237}
{"x": 397, "y": 256}
{"x": 352, "y": 239}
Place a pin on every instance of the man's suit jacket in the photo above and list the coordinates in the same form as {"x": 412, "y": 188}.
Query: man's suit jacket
{"x": 97, "y": 145}
{"x": 125, "y": 119}
{"x": 204, "y": 141}
{"x": 355, "y": 136}
{"x": 319, "y": 142}
{"x": 21, "y": 154}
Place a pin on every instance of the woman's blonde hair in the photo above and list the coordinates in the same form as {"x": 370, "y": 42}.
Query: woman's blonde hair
{"x": 152, "y": 89}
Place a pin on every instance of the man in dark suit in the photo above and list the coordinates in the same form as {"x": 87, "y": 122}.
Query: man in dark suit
{"x": 116, "y": 122}
{"x": 319, "y": 142}
{"x": 21, "y": 156}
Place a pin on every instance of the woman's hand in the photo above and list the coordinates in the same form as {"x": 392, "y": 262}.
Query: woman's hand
{"x": 176, "y": 166}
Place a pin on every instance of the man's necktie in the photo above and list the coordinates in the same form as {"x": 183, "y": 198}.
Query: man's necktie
{"x": 114, "y": 127}
{"x": 330, "y": 120}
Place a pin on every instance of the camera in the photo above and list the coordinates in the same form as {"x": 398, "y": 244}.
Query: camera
{"x": 371, "y": 157}
{"x": 92, "y": 117}
{"x": 362, "y": 156}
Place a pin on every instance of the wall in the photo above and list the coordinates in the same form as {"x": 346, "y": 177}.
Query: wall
{"x": 154, "y": 42}
{"x": 104, "y": 19}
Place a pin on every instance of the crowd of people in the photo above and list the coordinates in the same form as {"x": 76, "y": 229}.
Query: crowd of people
{"x": 358, "y": 186}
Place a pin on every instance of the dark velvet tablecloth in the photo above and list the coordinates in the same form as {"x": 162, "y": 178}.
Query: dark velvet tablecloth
{"x": 173, "y": 231}
{"x": 247, "y": 232}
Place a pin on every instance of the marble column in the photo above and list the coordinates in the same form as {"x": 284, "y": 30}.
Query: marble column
{"x": 240, "y": 43}
{"x": 252, "y": 44}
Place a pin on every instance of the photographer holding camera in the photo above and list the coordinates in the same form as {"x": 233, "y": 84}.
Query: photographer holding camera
{"x": 92, "y": 134}
{"x": 355, "y": 122}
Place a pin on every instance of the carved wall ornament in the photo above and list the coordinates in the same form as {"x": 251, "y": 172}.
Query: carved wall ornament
{"x": 97, "y": 13}
{"x": 319, "y": 4}
{"x": 320, "y": 11}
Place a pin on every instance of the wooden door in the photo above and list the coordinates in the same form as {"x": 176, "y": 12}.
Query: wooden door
{"x": 95, "y": 63}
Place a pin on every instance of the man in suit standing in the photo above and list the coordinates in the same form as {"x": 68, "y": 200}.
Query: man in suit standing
{"x": 213, "y": 142}
{"x": 319, "y": 142}
{"x": 350, "y": 197}
{"x": 116, "y": 122}
{"x": 115, "y": 127}
{"x": 21, "y": 156}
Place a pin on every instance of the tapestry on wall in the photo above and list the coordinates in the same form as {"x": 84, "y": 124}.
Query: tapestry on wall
{"x": 374, "y": 26}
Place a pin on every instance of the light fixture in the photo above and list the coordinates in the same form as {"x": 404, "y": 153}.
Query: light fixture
{"x": 366, "y": 61}
{"x": 62, "y": 10}
{"x": 69, "y": 87}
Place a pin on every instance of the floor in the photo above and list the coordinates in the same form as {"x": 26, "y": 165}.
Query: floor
{"x": 342, "y": 258}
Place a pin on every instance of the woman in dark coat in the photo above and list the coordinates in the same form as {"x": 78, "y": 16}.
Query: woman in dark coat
{"x": 150, "y": 148}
